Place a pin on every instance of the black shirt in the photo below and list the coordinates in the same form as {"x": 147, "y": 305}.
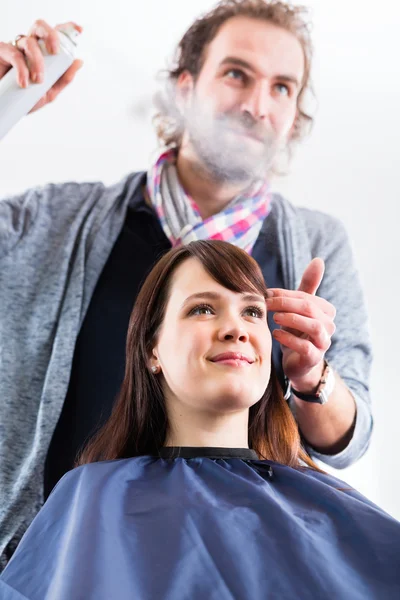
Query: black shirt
{"x": 99, "y": 357}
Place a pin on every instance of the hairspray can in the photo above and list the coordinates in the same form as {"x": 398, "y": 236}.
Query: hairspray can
{"x": 16, "y": 102}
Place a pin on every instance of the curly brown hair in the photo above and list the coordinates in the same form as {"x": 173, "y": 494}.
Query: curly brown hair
{"x": 190, "y": 53}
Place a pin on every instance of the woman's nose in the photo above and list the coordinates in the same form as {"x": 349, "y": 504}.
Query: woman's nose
{"x": 233, "y": 333}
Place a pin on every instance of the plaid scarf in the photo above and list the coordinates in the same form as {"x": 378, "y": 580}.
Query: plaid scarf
{"x": 239, "y": 223}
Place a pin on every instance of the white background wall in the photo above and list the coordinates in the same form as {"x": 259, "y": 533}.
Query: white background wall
{"x": 100, "y": 129}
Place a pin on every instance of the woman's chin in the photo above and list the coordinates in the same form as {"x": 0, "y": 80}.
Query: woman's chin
{"x": 234, "y": 396}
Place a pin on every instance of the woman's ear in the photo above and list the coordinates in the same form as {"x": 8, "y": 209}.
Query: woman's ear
{"x": 153, "y": 362}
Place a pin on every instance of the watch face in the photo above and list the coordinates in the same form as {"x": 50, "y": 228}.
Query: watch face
{"x": 327, "y": 384}
{"x": 323, "y": 398}
{"x": 323, "y": 392}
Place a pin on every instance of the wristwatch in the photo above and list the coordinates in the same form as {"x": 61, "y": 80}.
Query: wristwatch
{"x": 324, "y": 390}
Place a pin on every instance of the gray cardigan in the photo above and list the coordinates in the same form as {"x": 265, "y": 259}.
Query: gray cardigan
{"x": 54, "y": 242}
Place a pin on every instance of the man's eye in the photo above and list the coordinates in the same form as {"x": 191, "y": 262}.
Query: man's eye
{"x": 201, "y": 309}
{"x": 236, "y": 74}
{"x": 255, "y": 311}
{"x": 283, "y": 89}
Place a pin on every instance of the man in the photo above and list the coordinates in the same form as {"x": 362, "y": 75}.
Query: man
{"x": 73, "y": 256}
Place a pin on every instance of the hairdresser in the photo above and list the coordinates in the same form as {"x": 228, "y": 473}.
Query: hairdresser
{"x": 73, "y": 256}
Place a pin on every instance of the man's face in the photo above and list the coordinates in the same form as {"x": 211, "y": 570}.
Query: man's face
{"x": 240, "y": 111}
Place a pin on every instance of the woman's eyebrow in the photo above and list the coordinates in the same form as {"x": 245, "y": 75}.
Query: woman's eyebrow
{"x": 201, "y": 296}
{"x": 253, "y": 298}
{"x": 216, "y": 296}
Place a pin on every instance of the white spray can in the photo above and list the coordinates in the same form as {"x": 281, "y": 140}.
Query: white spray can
{"x": 16, "y": 102}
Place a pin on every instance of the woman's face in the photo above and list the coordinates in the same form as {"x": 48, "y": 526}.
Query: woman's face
{"x": 214, "y": 346}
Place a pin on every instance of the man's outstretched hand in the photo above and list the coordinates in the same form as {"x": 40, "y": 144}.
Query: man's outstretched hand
{"x": 307, "y": 326}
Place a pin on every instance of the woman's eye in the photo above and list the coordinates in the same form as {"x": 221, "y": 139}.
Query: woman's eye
{"x": 202, "y": 309}
{"x": 255, "y": 311}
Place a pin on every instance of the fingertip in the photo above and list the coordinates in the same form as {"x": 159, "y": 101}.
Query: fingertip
{"x": 23, "y": 81}
{"x": 320, "y": 261}
{"x": 77, "y": 27}
{"x": 52, "y": 45}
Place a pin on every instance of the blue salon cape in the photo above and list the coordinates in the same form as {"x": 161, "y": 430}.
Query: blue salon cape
{"x": 200, "y": 528}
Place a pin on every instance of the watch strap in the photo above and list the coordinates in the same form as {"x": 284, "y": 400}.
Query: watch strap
{"x": 323, "y": 392}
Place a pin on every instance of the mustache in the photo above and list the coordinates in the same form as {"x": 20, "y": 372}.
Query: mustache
{"x": 246, "y": 122}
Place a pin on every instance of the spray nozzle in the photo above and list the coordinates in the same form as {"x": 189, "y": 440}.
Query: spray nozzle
{"x": 71, "y": 32}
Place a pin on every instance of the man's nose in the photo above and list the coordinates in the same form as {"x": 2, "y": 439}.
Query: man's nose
{"x": 257, "y": 101}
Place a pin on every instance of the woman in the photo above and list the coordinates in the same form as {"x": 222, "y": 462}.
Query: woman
{"x": 204, "y": 491}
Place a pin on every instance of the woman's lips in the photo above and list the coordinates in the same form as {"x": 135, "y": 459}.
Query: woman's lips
{"x": 234, "y": 359}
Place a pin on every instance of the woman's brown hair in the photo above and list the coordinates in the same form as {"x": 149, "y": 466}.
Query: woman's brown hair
{"x": 138, "y": 424}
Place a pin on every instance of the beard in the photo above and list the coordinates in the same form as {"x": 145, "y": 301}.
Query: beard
{"x": 232, "y": 147}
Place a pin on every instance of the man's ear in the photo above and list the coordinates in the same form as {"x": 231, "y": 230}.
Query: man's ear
{"x": 184, "y": 88}
{"x": 293, "y": 127}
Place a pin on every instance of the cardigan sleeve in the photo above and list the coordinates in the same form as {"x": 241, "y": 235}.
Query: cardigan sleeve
{"x": 350, "y": 353}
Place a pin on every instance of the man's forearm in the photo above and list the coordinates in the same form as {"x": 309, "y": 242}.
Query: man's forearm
{"x": 328, "y": 428}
